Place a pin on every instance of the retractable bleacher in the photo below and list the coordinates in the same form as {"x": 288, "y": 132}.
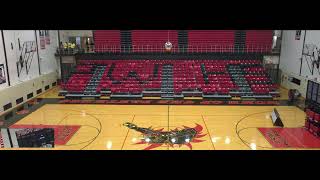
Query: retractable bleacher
{"x": 202, "y": 78}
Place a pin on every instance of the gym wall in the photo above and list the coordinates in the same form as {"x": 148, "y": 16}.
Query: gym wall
{"x": 14, "y": 43}
{"x": 48, "y": 62}
{"x": 293, "y": 63}
{"x": 41, "y": 71}
{"x": 291, "y": 50}
{"x": 65, "y": 34}
{"x": 291, "y": 53}
{"x": 36, "y": 86}
{"x": 3, "y": 70}
{"x": 312, "y": 38}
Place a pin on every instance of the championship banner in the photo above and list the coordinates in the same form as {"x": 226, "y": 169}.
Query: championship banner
{"x": 42, "y": 39}
{"x": 2, "y": 74}
{"x": 47, "y": 37}
{"x": 298, "y": 34}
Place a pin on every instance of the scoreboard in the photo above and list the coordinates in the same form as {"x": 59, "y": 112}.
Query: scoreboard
{"x": 313, "y": 92}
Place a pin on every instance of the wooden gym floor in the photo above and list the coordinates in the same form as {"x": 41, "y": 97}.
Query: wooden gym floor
{"x": 225, "y": 127}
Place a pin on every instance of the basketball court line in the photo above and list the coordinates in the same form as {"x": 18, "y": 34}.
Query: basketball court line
{"x": 247, "y": 143}
{"x": 157, "y": 115}
{"x": 204, "y": 122}
{"x": 84, "y": 141}
{"x": 168, "y": 113}
{"x": 64, "y": 118}
{"x": 125, "y": 138}
{"x": 179, "y": 110}
{"x": 240, "y": 130}
{"x": 168, "y": 122}
{"x": 98, "y": 131}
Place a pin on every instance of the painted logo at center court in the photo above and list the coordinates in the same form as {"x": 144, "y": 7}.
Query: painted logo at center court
{"x": 178, "y": 136}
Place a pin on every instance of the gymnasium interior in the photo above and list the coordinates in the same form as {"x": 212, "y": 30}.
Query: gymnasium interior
{"x": 159, "y": 89}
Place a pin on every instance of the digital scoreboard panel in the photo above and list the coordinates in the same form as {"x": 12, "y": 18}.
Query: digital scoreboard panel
{"x": 313, "y": 92}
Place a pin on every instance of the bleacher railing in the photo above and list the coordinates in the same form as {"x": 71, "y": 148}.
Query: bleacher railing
{"x": 71, "y": 51}
{"x": 201, "y": 48}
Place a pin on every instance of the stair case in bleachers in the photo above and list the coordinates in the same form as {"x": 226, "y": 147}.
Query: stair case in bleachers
{"x": 126, "y": 42}
{"x": 244, "y": 91}
{"x": 240, "y": 41}
{"x": 167, "y": 82}
{"x": 91, "y": 88}
{"x": 183, "y": 40}
{"x": 205, "y": 76}
{"x": 206, "y": 80}
{"x": 237, "y": 76}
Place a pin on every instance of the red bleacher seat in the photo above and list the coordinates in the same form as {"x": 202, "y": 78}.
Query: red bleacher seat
{"x": 136, "y": 76}
{"x": 259, "y": 41}
{"x": 211, "y": 41}
{"x": 153, "y": 40}
{"x": 107, "y": 41}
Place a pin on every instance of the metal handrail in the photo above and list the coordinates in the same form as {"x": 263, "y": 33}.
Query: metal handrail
{"x": 199, "y": 48}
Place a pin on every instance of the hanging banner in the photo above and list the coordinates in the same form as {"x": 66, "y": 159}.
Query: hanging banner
{"x": 298, "y": 34}
{"x": 2, "y": 74}
{"x": 42, "y": 39}
{"x": 47, "y": 37}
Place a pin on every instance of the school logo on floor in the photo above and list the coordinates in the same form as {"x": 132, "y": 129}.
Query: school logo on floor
{"x": 178, "y": 136}
{"x": 290, "y": 137}
{"x": 277, "y": 139}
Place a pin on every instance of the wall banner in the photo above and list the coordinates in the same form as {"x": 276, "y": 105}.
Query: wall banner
{"x": 2, "y": 75}
{"x": 42, "y": 39}
{"x": 298, "y": 34}
{"x": 47, "y": 37}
